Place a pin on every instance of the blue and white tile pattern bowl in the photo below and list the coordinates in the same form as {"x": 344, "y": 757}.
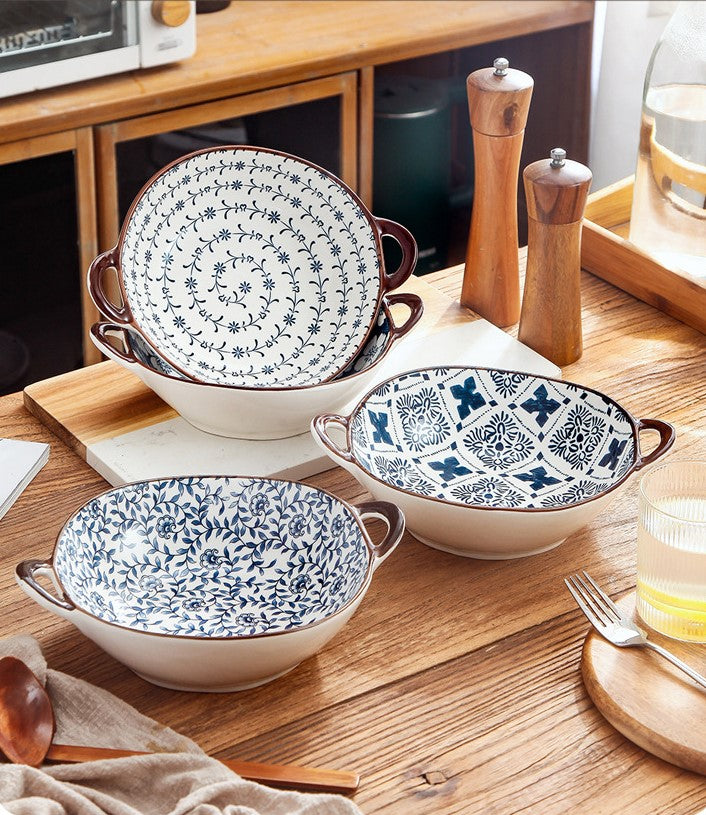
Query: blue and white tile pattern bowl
{"x": 490, "y": 463}
{"x": 213, "y": 583}
{"x": 258, "y": 413}
{"x": 250, "y": 267}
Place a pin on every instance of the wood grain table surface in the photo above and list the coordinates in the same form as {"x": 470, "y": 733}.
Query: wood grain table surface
{"x": 456, "y": 687}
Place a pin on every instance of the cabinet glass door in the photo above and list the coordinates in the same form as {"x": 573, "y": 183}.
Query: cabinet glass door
{"x": 48, "y": 237}
{"x": 40, "y": 307}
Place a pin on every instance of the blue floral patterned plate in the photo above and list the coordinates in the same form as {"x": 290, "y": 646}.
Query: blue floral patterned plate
{"x": 447, "y": 441}
{"x": 213, "y": 556}
{"x": 493, "y": 438}
{"x": 213, "y": 583}
{"x": 249, "y": 267}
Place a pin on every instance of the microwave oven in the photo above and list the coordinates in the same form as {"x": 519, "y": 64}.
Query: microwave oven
{"x": 44, "y": 43}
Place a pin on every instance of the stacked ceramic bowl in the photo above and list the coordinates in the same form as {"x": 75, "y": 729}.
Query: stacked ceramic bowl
{"x": 253, "y": 291}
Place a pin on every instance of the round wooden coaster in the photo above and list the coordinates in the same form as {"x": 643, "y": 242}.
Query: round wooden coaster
{"x": 646, "y": 698}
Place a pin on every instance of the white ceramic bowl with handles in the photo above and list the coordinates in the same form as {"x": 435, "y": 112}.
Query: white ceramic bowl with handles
{"x": 257, "y": 413}
{"x": 212, "y": 583}
{"x": 490, "y": 463}
{"x": 250, "y": 267}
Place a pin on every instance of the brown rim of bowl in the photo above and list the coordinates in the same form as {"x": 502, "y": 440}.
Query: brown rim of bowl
{"x": 230, "y": 147}
{"x": 250, "y": 388}
{"x": 628, "y": 473}
{"x": 362, "y": 589}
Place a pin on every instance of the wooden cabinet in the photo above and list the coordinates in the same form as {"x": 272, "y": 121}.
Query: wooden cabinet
{"x": 261, "y": 58}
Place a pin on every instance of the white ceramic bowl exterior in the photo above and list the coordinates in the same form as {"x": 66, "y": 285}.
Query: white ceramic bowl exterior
{"x": 259, "y": 413}
{"x": 490, "y": 463}
{"x": 212, "y": 583}
{"x": 249, "y": 267}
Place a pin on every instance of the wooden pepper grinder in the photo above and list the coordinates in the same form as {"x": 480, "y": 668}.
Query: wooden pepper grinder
{"x": 550, "y": 322}
{"x": 498, "y": 103}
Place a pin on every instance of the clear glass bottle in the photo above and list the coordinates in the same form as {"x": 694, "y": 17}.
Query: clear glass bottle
{"x": 668, "y": 217}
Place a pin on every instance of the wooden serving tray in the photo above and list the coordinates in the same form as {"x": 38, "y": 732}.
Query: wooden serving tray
{"x": 606, "y": 252}
{"x": 646, "y": 698}
{"x": 127, "y": 433}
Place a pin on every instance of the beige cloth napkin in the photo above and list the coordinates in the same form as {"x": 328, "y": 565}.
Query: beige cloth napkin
{"x": 179, "y": 780}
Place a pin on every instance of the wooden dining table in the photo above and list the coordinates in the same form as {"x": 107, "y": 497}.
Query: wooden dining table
{"x": 456, "y": 687}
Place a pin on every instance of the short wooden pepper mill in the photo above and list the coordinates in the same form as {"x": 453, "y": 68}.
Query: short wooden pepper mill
{"x": 498, "y": 103}
{"x": 550, "y": 321}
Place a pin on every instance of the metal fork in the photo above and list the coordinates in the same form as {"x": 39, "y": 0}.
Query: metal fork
{"x": 608, "y": 620}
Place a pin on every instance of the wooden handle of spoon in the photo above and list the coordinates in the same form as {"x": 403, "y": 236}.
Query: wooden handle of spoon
{"x": 278, "y": 775}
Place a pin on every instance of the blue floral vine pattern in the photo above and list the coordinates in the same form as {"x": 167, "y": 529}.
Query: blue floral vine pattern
{"x": 253, "y": 268}
{"x": 493, "y": 438}
{"x": 210, "y": 557}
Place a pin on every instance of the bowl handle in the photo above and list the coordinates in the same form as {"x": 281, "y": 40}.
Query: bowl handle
{"x": 100, "y": 340}
{"x": 389, "y": 514}
{"x": 409, "y": 252}
{"x": 318, "y": 431}
{"x": 25, "y": 573}
{"x": 416, "y": 309}
{"x": 107, "y": 260}
{"x": 667, "y": 434}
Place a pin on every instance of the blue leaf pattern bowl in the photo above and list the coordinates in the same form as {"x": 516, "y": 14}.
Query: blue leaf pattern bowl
{"x": 250, "y": 267}
{"x": 258, "y": 413}
{"x": 213, "y": 583}
{"x": 491, "y": 463}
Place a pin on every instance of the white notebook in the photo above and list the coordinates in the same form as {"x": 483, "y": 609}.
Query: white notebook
{"x": 20, "y": 461}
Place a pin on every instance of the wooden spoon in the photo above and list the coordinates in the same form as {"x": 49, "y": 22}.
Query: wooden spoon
{"x": 27, "y": 728}
{"x": 26, "y": 715}
{"x": 277, "y": 775}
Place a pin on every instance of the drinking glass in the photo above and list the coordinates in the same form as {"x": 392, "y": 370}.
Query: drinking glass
{"x": 671, "y": 550}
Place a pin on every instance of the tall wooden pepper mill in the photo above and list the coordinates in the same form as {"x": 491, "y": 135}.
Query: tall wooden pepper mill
{"x": 550, "y": 322}
{"x": 498, "y": 103}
